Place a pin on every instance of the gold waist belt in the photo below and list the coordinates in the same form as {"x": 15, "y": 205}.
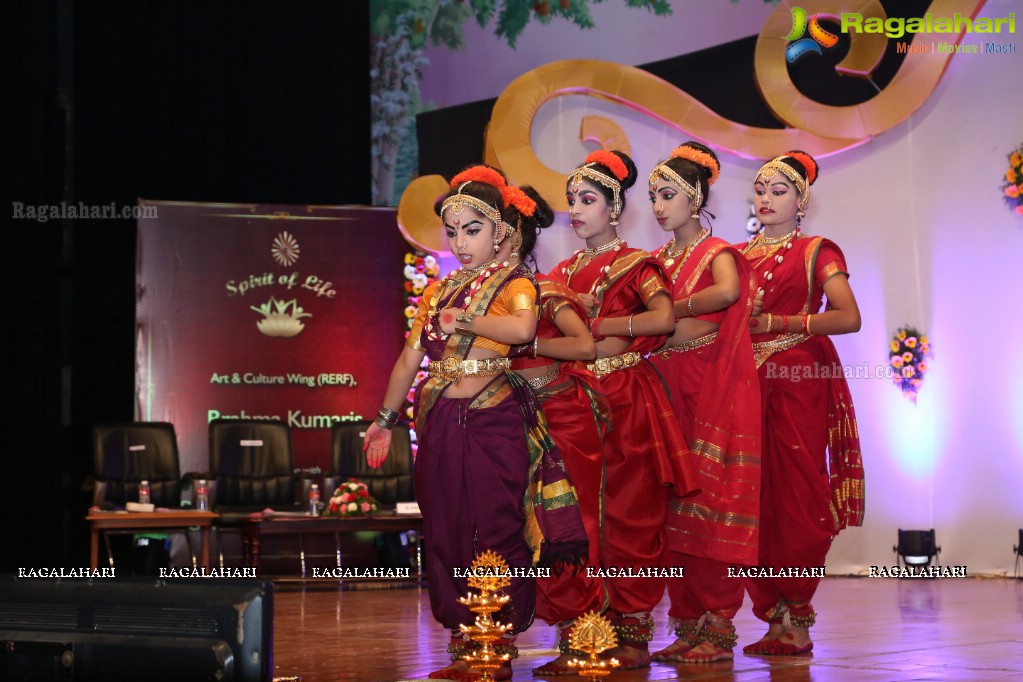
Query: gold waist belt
{"x": 604, "y": 366}
{"x": 689, "y": 345}
{"x": 454, "y": 369}
{"x": 765, "y": 349}
{"x": 547, "y": 377}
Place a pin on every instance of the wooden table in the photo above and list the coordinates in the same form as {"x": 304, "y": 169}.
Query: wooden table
{"x": 260, "y": 525}
{"x": 126, "y": 521}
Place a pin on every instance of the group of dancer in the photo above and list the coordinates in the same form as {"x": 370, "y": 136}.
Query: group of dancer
{"x": 630, "y": 412}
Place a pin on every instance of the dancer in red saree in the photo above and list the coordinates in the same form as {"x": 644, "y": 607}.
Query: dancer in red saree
{"x": 487, "y": 476}
{"x": 629, "y": 314}
{"x": 812, "y": 482}
{"x": 708, "y": 366}
{"x": 578, "y": 416}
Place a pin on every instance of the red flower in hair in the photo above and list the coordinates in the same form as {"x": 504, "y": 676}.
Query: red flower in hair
{"x": 610, "y": 161}
{"x": 514, "y": 196}
{"x": 483, "y": 174}
{"x": 808, "y": 163}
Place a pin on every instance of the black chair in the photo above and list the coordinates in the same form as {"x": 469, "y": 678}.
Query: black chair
{"x": 917, "y": 548}
{"x": 126, "y": 453}
{"x": 390, "y": 484}
{"x": 250, "y": 470}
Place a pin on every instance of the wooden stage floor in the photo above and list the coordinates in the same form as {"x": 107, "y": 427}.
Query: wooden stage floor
{"x": 868, "y": 629}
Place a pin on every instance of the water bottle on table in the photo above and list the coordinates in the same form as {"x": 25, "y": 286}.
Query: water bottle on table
{"x": 144, "y": 492}
{"x": 202, "y": 495}
{"x": 314, "y": 500}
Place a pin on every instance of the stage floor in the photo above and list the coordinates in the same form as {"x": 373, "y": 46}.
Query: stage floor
{"x": 867, "y": 629}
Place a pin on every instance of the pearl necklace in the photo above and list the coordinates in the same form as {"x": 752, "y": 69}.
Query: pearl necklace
{"x": 600, "y": 282}
{"x": 469, "y": 274}
{"x": 482, "y": 274}
{"x": 613, "y": 244}
{"x": 784, "y": 243}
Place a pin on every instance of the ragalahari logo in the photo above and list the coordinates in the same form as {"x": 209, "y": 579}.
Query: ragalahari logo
{"x": 800, "y": 44}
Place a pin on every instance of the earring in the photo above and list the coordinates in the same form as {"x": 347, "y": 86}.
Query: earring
{"x": 799, "y": 217}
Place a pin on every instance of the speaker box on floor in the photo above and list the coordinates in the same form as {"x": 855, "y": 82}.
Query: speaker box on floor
{"x": 136, "y": 629}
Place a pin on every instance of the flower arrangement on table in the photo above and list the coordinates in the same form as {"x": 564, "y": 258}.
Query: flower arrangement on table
{"x": 1012, "y": 188}
{"x": 909, "y": 352}
{"x": 351, "y": 498}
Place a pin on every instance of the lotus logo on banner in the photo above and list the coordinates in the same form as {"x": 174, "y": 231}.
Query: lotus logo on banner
{"x": 801, "y": 45}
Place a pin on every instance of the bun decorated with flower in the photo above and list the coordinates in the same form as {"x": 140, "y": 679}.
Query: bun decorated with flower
{"x": 351, "y": 498}
{"x": 693, "y": 168}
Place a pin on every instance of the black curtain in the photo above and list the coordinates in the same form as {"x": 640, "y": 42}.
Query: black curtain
{"x": 117, "y": 101}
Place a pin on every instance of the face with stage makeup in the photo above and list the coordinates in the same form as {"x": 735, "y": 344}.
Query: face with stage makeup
{"x": 776, "y": 200}
{"x": 471, "y": 236}
{"x": 589, "y": 211}
{"x": 671, "y": 205}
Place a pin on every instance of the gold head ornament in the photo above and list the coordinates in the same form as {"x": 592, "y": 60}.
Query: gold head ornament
{"x": 588, "y": 172}
{"x": 775, "y": 166}
{"x": 458, "y": 201}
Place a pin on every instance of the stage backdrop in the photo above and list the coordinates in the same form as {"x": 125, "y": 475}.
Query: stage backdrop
{"x": 256, "y": 311}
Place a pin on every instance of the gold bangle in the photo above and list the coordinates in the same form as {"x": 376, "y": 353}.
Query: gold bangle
{"x": 466, "y": 318}
{"x": 770, "y": 323}
{"x": 630, "y": 326}
{"x": 808, "y": 332}
{"x": 689, "y": 306}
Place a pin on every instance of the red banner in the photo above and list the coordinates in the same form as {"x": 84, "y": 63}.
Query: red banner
{"x": 257, "y": 311}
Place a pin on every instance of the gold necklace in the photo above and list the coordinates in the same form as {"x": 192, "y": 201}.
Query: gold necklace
{"x": 469, "y": 274}
{"x": 603, "y": 249}
{"x": 704, "y": 233}
{"x": 773, "y": 241}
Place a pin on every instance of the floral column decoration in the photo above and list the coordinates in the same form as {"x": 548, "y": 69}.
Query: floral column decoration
{"x": 420, "y": 270}
{"x": 909, "y": 352}
{"x": 1012, "y": 187}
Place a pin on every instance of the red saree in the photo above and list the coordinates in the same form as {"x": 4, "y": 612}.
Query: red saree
{"x": 812, "y": 485}
{"x": 645, "y": 452}
{"x": 716, "y": 396}
{"x": 578, "y": 416}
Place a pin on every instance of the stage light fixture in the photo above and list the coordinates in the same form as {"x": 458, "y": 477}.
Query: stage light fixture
{"x": 917, "y": 548}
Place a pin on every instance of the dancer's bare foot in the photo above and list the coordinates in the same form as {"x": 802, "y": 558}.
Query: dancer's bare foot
{"x": 706, "y": 652}
{"x": 672, "y": 652}
{"x": 459, "y": 671}
{"x": 775, "y": 631}
{"x": 792, "y": 642}
{"x": 556, "y": 668}
{"x": 630, "y": 656}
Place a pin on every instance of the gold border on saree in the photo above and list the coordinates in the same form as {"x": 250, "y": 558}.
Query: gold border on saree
{"x": 453, "y": 369}
{"x": 765, "y": 349}
{"x": 604, "y": 366}
{"x": 692, "y": 344}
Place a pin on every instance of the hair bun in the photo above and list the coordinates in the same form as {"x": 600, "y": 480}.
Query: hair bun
{"x": 809, "y": 163}
{"x": 611, "y": 161}
{"x": 702, "y": 156}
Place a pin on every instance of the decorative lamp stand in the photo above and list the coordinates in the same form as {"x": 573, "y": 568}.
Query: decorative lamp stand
{"x": 489, "y": 574}
{"x": 593, "y": 634}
